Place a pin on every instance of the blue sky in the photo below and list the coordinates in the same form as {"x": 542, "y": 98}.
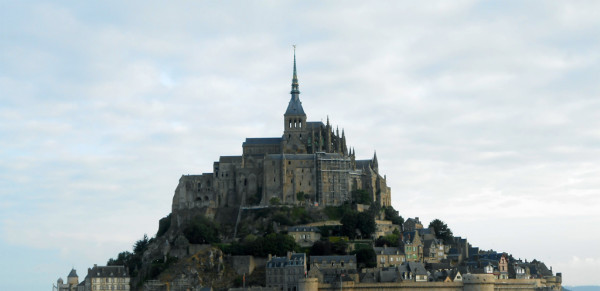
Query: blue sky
{"x": 483, "y": 114}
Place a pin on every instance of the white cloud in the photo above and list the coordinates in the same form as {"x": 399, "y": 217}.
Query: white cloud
{"x": 473, "y": 107}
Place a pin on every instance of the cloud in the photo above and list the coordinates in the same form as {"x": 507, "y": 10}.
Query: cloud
{"x": 473, "y": 107}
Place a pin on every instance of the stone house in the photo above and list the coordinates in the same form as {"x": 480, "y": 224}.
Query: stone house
{"x": 503, "y": 267}
{"x": 330, "y": 269}
{"x": 411, "y": 224}
{"x": 305, "y": 236}
{"x": 433, "y": 250}
{"x": 413, "y": 271}
{"x": 389, "y": 256}
{"x": 283, "y": 273}
{"x": 412, "y": 245}
{"x": 107, "y": 278}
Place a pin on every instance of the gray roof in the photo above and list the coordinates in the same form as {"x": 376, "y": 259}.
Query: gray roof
{"x": 363, "y": 164}
{"x": 107, "y": 271}
{"x": 296, "y": 259}
{"x": 414, "y": 267}
{"x": 72, "y": 274}
{"x": 314, "y": 124}
{"x": 263, "y": 141}
{"x": 337, "y": 259}
{"x": 295, "y": 107}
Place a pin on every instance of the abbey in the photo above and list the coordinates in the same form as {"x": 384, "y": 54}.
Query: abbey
{"x": 309, "y": 163}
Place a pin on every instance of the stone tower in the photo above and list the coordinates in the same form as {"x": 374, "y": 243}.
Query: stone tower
{"x": 294, "y": 120}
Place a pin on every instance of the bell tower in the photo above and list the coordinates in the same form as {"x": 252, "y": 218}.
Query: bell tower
{"x": 295, "y": 134}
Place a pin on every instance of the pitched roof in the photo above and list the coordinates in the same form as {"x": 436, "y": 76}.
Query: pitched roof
{"x": 107, "y": 271}
{"x": 73, "y": 273}
{"x": 296, "y": 259}
{"x": 320, "y": 259}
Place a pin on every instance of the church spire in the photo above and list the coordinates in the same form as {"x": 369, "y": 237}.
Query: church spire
{"x": 295, "y": 90}
{"x": 295, "y": 106}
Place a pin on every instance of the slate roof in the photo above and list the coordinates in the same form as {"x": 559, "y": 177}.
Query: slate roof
{"x": 262, "y": 141}
{"x": 337, "y": 259}
{"x": 72, "y": 274}
{"x": 295, "y": 107}
{"x": 107, "y": 271}
{"x": 363, "y": 164}
{"x": 414, "y": 267}
{"x": 314, "y": 124}
{"x": 296, "y": 259}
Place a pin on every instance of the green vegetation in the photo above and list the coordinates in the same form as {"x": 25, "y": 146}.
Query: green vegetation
{"x": 158, "y": 266}
{"x": 442, "y": 231}
{"x": 337, "y": 212}
{"x": 274, "y": 201}
{"x": 361, "y": 196}
{"x": 300, "y": 196}
{"x": 133, "y": 261}
{"x": 365, "y": 256}
{"x": 358, "y": 224}
{"x": 202, "y": 230}
{"x": 163, "y": 225}
{"x": 328, "y": 248}
{"x": 391, "y": 240}
{"x": 392, "y": 214}
{"x": 273, "y": 243}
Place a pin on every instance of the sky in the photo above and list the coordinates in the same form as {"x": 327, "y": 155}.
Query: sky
{"x": 483, "y": 114}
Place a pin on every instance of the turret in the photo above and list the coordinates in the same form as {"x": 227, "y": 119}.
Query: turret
{"x": 374, "y": 163}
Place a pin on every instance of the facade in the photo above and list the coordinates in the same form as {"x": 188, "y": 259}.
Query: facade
{"x": 411, "y": 224}
{"x": 283, "y": 273}
{"x": 433, "y": 251}
{"x": 305, "y": 236}
{"x": 107, "y": 278}
{"x": 309, "y": 160}
{"x": 413, "y": 246}
{"x": 389, "y": 256}
{"x": 334, "y": 268}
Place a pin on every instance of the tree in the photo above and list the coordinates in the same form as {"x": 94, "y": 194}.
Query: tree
{"x": 300, "y": 196}
{"x": 366, "y": 257}
{"x": 392, "y": 214}
{"x": 353, "y": 220}
{"x": 441, "y": 231}
{"x": 274, "y": 201}
{"x": 366, "y": 224}
{"x": 201, "y": 231}
{"x": 349, "y": 222}
{"x": 361, "y": 196}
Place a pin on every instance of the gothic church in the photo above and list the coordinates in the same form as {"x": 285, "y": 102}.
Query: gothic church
{"x": 310, "y": 158}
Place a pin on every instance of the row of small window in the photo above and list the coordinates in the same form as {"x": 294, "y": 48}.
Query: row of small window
{"x": 110, "y": 287}
{"x": 108, "y": 280}
{"x": 398, "y": 259}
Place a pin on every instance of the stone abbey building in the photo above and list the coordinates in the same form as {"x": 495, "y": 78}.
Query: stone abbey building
{"x": 309, "y": 158}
